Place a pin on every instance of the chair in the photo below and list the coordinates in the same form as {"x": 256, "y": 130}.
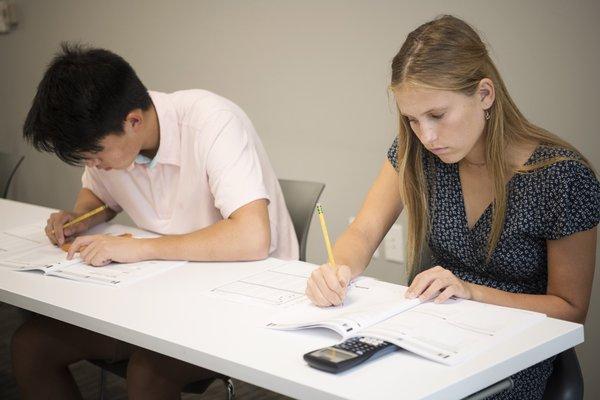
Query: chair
{"x": 9, "y": 164}
{"x": 120, "y": 369}
{"x": 566, "y": 381}
{"x": 492, "y": 390}
{"x": 301, "y": 198}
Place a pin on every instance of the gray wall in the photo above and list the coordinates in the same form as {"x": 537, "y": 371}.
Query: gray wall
{"x": 312, "y": 76}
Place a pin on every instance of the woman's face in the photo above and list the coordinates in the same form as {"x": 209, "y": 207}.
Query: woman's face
{"x": 449, "y": 124}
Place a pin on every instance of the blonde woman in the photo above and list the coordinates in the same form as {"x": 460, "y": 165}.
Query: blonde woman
{"x": 508, "y": 210}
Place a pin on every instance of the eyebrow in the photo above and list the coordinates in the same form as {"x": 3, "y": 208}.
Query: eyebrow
{"x": 438, "y": 109}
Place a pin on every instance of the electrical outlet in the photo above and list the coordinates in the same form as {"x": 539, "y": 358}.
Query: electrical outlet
{"x": 377, "y": 253}
{"x": 4, "y": 17}
{"x": 8, "y": 15}
{"x": 394, "y": 244}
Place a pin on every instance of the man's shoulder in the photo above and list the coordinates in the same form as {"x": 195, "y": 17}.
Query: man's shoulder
{"x": 200, "y": 101}
{"x": 198, "y": 109}
{"x": 200, "y": 115}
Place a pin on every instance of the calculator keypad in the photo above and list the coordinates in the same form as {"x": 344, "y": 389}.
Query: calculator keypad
{"x": 361, "y": 345}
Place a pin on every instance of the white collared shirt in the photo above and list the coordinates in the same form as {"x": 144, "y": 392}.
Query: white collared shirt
{"x": 209, "y": 163}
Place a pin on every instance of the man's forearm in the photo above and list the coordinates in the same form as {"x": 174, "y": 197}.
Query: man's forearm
{"x": 226, "y": 240}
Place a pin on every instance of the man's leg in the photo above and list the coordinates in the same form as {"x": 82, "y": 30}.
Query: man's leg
{"x": 154, "y": 376}
{"x": 43, "y": 348}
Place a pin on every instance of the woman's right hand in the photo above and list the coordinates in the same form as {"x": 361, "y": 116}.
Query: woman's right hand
{"x": 54, "y": 227}
{"x": 327, "y": 285}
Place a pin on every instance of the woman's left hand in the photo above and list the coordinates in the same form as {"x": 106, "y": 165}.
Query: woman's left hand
{"x": 438, "y": 283}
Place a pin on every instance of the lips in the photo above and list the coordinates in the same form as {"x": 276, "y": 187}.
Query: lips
{"x": 439, "y": 150}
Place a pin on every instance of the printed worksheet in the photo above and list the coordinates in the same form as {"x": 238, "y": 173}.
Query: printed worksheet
{"x": 113, "y": 274}
{"x": 22, "y": 239}
{"x": 453, "y": 331}
{"x": 26, "y": 248}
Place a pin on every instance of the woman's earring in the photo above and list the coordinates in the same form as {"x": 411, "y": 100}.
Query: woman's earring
{"x": 487, "y": 115}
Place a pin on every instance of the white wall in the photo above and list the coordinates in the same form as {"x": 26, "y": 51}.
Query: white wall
{"x": 312, "y": 76}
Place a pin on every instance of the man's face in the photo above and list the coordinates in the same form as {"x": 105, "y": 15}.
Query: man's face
{"x": 118, "y": 152}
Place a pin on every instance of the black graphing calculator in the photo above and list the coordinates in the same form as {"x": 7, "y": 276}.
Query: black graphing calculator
{"x": 348, "y": 354}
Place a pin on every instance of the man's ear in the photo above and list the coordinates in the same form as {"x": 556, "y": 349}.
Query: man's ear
{"x": 134, "y": 120}
{"x": 486, "y": 92}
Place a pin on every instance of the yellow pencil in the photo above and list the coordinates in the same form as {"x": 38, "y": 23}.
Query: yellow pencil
{"x": 325, "y": 234}
{"x": 86, "y": 216}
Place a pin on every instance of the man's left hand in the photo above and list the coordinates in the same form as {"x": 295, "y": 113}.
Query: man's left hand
{"x": 100, "y": 250}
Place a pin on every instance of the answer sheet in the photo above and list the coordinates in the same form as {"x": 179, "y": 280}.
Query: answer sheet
{"x": 280, "y": 286}
{"x": 283, "y": 286}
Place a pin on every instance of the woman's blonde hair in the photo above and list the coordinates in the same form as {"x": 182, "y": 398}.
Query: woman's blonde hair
{"x": 447, "y": 54}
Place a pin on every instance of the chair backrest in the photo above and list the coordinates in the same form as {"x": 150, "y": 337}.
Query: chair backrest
{"x": 566, "y": 381}
{"x": 301, "y": 198}
{"x": 9, "y": 163}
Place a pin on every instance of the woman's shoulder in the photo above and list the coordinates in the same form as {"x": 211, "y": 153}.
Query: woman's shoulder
{"x": 552, "y": 162}
{"x": 553, "y": 175}
{"x": 545, "y": 152}
{"x": 564, "y": 188}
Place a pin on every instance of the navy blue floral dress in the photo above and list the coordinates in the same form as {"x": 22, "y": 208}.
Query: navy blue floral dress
{"x": 547, "y": 204}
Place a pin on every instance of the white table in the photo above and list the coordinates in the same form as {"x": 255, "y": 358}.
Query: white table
{"x": 168, "y": 313}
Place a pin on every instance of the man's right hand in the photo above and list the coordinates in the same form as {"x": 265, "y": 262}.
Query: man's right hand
{"x": 327, "y": 285}
{"x": 54, "y": 227}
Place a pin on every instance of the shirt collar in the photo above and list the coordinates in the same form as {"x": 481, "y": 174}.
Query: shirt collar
{"x": 143, "y": 160}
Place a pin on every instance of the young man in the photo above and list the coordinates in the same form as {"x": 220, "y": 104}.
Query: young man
{"x": 188, "y": 165}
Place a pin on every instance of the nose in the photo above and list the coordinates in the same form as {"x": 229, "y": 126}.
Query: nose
{"x": 428, "y": 134}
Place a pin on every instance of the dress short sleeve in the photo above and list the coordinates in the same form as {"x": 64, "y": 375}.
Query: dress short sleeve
{"x": 392, "y": 154}
{"x": 573, "y": 204}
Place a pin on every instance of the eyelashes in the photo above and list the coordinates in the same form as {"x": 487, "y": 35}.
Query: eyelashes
{"x": 435, "y": 117}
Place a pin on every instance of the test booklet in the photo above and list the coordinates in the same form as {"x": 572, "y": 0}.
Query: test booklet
{"x": 448, "y": 333}
{"x": 26, "y": 248}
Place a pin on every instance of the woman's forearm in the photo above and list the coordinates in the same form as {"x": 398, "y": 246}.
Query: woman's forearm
{"x": 551, "y": 305}
{"x": 351, "y": 249}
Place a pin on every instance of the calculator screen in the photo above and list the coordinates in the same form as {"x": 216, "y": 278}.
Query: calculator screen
{"x": 333, "y": 355}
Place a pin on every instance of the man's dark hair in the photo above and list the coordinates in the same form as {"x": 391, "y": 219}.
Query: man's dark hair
{"x": 85, "y": 94}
